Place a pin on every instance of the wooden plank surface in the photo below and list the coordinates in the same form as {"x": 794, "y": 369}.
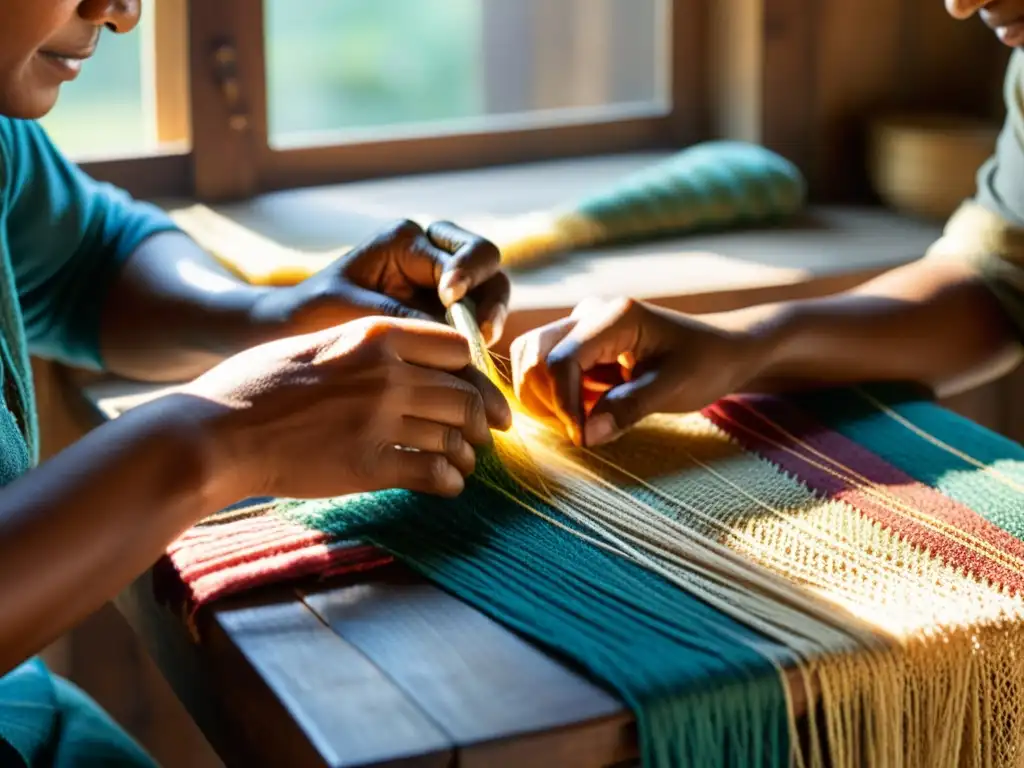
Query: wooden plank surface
{"x": 374, "y": 670}
{"x": 350, "y": 713}
{"x": 489, "y": 690}
{"x": 272, "y": 685}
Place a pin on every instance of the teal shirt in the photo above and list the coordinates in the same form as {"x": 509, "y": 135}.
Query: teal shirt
{"x": 63, "y": 238}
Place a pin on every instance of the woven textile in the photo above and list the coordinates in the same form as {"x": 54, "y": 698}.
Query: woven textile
{"x": 857, "y": 549}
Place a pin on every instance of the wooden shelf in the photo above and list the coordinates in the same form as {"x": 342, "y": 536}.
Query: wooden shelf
{"x": 828, "y": 249}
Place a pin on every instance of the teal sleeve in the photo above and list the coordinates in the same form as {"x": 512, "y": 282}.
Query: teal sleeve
{"x": 68, "y": 237}
{"x": 47, "y": 721}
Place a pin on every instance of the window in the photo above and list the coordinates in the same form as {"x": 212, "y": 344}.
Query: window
{"x": 345, "y": 70}
{"x": 225, "y": 99}
{"x": 370, "y": 63}
{"x": 121, "y": 104}
{"x": 105, "y": 111}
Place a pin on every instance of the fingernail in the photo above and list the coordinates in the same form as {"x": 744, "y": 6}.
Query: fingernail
{"x": 497, "y": 325}
{"x": 506, "y": 418}
{"x": 452, "y": 287}
{"x": 574, "y": 434}
{"x": 453, "y": 482}
{"x": 494, "y": 327}
{"x": 602, "y": 429}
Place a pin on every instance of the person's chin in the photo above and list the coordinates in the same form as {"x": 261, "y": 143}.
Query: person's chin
{"x": 29, "y": 103}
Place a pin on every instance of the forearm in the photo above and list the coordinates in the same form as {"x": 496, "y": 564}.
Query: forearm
{"x": 174, "y": 312}
{"x": 931, "y": 323}
{"x": 78, "y": 529}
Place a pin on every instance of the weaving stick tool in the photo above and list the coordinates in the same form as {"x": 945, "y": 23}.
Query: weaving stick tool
{"x": 462, "y": 317}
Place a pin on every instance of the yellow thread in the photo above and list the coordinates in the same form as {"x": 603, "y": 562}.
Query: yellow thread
{"x": 913, "y": 702}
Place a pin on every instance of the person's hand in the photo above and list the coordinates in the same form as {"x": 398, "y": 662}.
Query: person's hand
{"x": 402, "y": 272}
{"x": 338, "y": 411}
{"x": 611, "y": 363}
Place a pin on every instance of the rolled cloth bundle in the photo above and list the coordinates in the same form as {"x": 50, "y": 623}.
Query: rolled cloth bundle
{"x": 711, "y": 185}
{"x": 716, "y": 184}
{"x": 827, "y": 579}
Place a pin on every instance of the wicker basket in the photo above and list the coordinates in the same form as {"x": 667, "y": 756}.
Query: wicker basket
{"x": 926, "y": 165}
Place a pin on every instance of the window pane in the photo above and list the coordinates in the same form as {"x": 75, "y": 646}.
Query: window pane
{"x": 110, "y": 110}
{"x": 376, "y": 67}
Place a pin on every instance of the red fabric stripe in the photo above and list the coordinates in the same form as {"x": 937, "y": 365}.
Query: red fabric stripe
{"x": 760, "y": 423}
{"x": 316, "y": 560}
{"x": 214, "y": 561}
{"x": 193, "y": 565}
{"x": 254, "y": 528}
{"x": 213, "y": 549}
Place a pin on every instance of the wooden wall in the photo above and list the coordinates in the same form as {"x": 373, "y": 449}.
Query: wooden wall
{"x": 809, "y": 74}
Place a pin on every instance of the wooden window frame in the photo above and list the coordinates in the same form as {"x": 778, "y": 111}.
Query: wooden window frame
{"x": 787, "y": 74}
{"x": 211, "y": 90}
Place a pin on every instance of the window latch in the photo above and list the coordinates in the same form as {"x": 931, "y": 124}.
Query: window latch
{"x": 225, "y": 72}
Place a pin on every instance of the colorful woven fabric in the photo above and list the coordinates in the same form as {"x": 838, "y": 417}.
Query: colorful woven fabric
{"x": 857, "y": 549}
{"x": 252, "y": 547}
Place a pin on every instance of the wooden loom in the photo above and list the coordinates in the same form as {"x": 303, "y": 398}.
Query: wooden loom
{"x": 930, "y": 537}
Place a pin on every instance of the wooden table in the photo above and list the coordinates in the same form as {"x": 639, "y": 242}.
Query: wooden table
{"x": 386, "y": 669}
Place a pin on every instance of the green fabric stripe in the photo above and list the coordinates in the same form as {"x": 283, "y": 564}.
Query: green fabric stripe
{"x": 851, "y": 413}
{"x": 653, "y": 644}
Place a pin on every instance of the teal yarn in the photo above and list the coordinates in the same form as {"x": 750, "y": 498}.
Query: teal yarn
{"x": 709, "y": 185}
{"x": 855, "y": 415}
{"x": 700, "y": 684}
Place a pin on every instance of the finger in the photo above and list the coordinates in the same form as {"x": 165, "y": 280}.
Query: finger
{"x": 596, "y": 339}
{"x": 429, "y": 473}
{"x": 567, "y": 394}
{"x": 454, "y": 403}
{"x": 433, "y": 352}
{"x": 530, "y": 376}
{"x": 496, "y": 407}
{"x": 431, "y": 437}
{"x": 622, "y": 407}
{"x": 472, "y": 262}
{"x": 419, "y": 261}
{"x": 530, "y": 351}
{"x": 491, "y": 301}
{"x": 424, "y": 343}
{"x": 530, "y": 387}
{"x": 381, "y": 304}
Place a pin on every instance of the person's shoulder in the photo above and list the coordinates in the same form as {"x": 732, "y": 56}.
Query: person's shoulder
{"x": 25, "y": 152}
{"x": 15, "y": 138}
{"x": 14, "y": 131}
{"x": 1013, "y": 84}
{"x": 7, "y": 168}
